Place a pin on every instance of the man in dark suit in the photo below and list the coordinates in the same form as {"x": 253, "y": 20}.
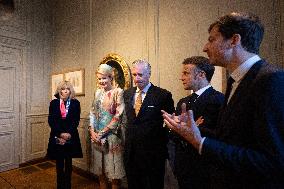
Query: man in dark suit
{"x": 145, "y": 137}
{"x": 248, "y": 150}
{"x": 205, "y": 102}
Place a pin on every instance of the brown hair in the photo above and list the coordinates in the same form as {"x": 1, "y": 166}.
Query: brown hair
{"x": 247, "y": 25}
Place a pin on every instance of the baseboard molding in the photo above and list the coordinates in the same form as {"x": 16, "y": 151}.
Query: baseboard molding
{"x": 34, "y": 161}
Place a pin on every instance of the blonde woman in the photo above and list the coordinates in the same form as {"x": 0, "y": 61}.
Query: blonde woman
{"x": 64, "y": 142}
{"x": 105, "y": 117}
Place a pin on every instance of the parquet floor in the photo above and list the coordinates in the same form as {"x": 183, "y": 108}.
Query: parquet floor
{"x": 41, "y": 176}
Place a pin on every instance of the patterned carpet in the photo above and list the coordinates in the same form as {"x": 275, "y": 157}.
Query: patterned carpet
{"x": 41, "y": 176}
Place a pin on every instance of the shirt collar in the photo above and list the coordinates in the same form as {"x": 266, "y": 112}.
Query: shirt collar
{"x": 200, "y": 91}
{"x": 241, "y": 71}
{"x": 145, "y": 88}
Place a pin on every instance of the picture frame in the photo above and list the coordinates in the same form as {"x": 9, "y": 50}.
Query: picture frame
{"x": 77, "y": 79}
{"x": 55, "y": 80}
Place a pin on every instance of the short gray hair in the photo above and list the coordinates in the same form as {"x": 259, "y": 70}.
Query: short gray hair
{"x": 143, "y": 62}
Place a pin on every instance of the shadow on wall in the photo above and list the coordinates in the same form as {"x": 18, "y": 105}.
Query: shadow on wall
{"x": 7, "y": 8}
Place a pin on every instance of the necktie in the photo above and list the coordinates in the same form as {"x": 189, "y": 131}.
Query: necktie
{"x": 228, "y": 89}
{"x": 193, "y": 97}
{"x": 191, "y": 100}
{"x": 138, "y": 102}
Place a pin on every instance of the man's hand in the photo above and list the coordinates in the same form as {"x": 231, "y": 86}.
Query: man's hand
{"x": 199, "y": 121}
{"x": 185, "y": 126}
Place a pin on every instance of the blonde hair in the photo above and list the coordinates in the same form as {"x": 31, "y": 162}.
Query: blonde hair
{"x": 105, "y": 69}
{"x": 62, "y": 85}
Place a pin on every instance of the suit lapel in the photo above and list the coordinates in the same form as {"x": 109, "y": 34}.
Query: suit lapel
{"x": 130, "y": 100}
{"x": 242, "y": 88}
{"x": 201, "y": 99}
{"x": 204, "y": 95}
{"x": 57, "y": 107}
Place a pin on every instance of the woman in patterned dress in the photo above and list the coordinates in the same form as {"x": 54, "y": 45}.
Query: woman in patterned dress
{"x": 105, "y": 119}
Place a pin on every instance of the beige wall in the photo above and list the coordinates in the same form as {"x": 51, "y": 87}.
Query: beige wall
{"x": 165, "y": 32}
{"x": 162, "y": 31}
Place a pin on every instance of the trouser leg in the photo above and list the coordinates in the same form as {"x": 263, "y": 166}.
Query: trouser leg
{"x": 68, "y": 172}
{"x": 60, "y": 173}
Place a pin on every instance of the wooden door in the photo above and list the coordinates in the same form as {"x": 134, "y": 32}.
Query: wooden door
{"x": 10, "y": 99}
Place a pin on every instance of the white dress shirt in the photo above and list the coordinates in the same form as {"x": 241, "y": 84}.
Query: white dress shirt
{"x": 239, "y": 73}
{"x": 200, "y": 91}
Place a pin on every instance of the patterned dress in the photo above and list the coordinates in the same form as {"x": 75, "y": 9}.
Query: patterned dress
{"x": 107, "y": 109}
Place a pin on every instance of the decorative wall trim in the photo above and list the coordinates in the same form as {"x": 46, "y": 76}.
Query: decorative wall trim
{"x": 157, "y": 37}
{"x": 36, "y": 137}
{"x": 13, "y": 41}
{"x": 36, "y": 115}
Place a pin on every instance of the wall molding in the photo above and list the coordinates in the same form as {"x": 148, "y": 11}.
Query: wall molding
{"x": 13, "y": 41}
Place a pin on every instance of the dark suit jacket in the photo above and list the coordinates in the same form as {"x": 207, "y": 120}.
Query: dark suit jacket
{"x": 68, "y": 125}
{"x": 190, "y": 169}
{"x": 145, "y": 137}
{"x": 249, "y": 150}
{"x": 207, "y": 105}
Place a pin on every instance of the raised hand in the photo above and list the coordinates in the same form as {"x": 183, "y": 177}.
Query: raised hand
{"x": 199, "y": 121}
{"x": 185, "y": 127}
{"x": 183, "y": 116}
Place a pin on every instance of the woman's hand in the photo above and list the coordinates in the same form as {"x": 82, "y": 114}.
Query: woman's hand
{"x": 94, "y": 136}
{"x": 61, "y": 141}
{"x": 65, "y": 136}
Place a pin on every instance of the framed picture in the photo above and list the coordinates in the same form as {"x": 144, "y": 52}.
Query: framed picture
{"x": 55, "y": 80}
{"x": 77, "y": 80}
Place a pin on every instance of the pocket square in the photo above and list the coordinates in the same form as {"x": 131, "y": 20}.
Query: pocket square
{"x": 151, "y": 106}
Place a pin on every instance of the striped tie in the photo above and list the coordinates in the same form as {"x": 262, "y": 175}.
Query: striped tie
{"x": 138, "y": 103}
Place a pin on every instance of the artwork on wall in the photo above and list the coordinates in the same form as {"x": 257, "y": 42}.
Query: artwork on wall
{"x": 55, "y": 80}
{"x": 77, "y": 80}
